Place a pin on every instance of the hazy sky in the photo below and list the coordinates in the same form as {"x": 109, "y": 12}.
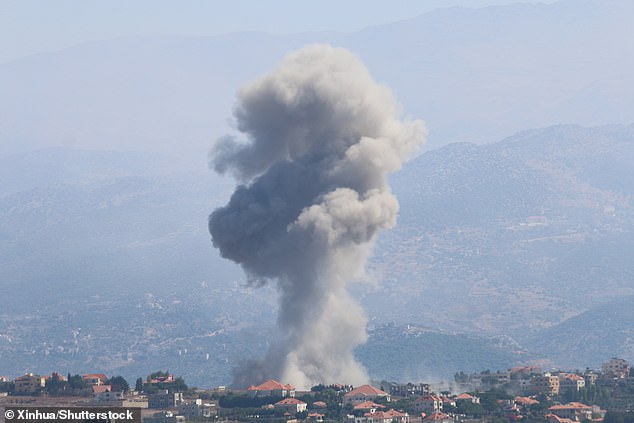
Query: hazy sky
{"x": 32, "y": 26}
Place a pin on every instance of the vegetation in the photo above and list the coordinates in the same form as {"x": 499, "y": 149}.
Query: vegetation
{"x": 616, "y": 417}
{"x": 118, "y": 383}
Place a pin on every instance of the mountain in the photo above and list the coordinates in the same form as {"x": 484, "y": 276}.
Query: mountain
{"x": 604, "y": 331}
{"x": 512, "y": 237}
{"x": 474, "y": 75}
{"x": 504, "y": 253}
{"x": 413, "y": 353}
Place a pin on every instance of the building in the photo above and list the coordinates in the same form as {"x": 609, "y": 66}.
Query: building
{"x": 364, "y": 393}
{"x": 291, "y": 405}
{"x": 164, "y": 417}
{"x": 197, "y": 408}
{"x": 616, "y": 367}
{"x": 467, "y": 398}
{"x": 409, "y": 389}
{"x": 272, "y": 388}
{"x": 119, "y": 399}
{"x": 546, "y": 384}
{"x": 316, "y": 417}
{"x": 367, "y": 407}
{"x": 98, "y": 389}
{"x": 553, "y": 418}
{"x": 525, "y": 372}
{"x": 106, "y": 396}
{"x": 438, "y": 417}
{"x": 29, "y": 384}
{"x": 524, "y": 402}
{"x": 590, "y": 377}
{"x": 164, "y": 399}
{"x": 167, "y": 378}
{"x": 428, "y": 404}
{"x": 95, "y": 379}
{"x": 574, "y": 411}
{"x": 571, "y": 382}
{"x": 390, "y": 416}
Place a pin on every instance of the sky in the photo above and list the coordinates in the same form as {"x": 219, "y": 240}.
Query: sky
{"x": 34, "y": 26}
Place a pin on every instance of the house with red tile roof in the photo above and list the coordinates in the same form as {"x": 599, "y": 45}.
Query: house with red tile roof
{"x": 95, "y": 378}
{"x": 367, "y": 407}
{"x": 316, "y": 417}
{"x": 364, "y": 393}
{"x": 98, "y": 389}
{"x": 272, "y": 388}
{"x": 438, "y": 417}
{"x": 168, "y": 378}
{"x": 467, "y": 398}
{"x": 553, "y": 418}
{"x": 389, "y": 416}
{"x": 319, "y": 404}
{"x": 573, "y": 410}
{"x": 428, "y": 404}
{"x": 525, "y": 401}
{"x": 291, "y": 405}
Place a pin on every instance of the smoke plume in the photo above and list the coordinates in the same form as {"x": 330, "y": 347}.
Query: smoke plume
{"x": 320, "y": 137}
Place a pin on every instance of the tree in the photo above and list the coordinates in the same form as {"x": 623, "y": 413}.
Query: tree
{"x": 180, "y": 385}
{"x": 55, "y": 385}
{"x": 470, "y": 409}
{"x": 138, "y": 386}
{"x": 118, "y": 383}
{"x": 76, "y": 382}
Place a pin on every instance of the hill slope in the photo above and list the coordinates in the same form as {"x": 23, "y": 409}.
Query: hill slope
{"x": 502, "y": 240}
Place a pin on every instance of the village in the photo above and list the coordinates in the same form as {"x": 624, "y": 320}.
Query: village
{"x": 524, "y": 393}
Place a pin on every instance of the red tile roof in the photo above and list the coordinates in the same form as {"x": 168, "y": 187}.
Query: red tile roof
{"x": 290, "y": 401}
{"x": 558, "y": 419}
{"x": 270, "y": 385}
{"x": 367, "y": 405}
{"x": 437, "y": 416}
{"x": 97, "y": 389}
{"x": 525, "y": 400}
{"x": 320, "y": 404}
{"x": 570, "y": 406}
{"x": 385, "y": 414}
{"x": 367, "y": 390}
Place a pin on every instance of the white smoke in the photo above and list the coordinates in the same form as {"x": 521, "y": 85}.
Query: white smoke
{"x": 321, "y": 138}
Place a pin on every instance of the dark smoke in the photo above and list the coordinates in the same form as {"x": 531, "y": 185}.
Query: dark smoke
{"x": 321, "y": 138}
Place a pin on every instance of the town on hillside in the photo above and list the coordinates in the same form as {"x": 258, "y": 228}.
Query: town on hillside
{"x": 526, "y": 394}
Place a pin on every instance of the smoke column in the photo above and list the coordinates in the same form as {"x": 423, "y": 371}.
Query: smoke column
{"x": 320, "y": 137}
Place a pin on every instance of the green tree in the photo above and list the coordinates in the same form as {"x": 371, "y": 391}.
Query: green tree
{"x": 138, "y": 386}
{"x": 470, "y": 409}
{"x": 179, "y": 385}
{"x": 77, "y": 382}
{"x": 118, "y": 384}
{"x": 55, "y": 385}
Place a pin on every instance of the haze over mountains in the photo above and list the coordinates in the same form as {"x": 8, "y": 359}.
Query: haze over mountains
{"x": 506, "y": 252}
{"x": 474, "y": 75}
{"x": 498, "y": 246}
